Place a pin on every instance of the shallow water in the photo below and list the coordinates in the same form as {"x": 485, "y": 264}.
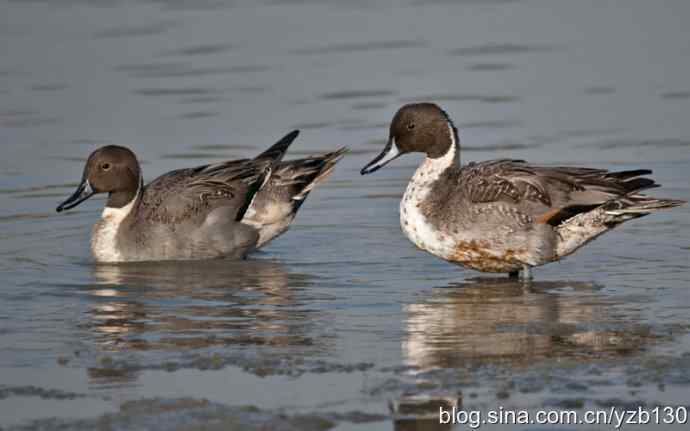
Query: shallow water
{"x": 342, "y": 315}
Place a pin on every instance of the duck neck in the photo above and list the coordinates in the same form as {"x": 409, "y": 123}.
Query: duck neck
{"x": 104, "y": 241}
{"x": 121, "y": 203}
{"x": 432, "y": 167}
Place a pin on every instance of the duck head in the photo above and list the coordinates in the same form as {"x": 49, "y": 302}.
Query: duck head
{"x": 111, "y": 169}
{"x": 416, "y": 128}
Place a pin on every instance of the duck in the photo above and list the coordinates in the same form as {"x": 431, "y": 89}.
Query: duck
{"x": 504, "y": 215}
{"x": 220, "y": 210}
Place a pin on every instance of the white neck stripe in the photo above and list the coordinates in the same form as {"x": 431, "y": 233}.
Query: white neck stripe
{"x": 103, "y": 240}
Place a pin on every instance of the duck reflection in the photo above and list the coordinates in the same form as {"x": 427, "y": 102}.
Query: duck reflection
{"x": 201, "y": 306}
{"x": 506, "y": 321}
{"x": 421, "y": 412}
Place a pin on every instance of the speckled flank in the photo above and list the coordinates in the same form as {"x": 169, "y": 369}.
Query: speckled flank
{"x": 481, "y": 256}
{"x": 430, "y": 221}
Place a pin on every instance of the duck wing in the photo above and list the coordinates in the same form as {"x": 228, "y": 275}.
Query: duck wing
{"x": 193, "y": 192}
{"x": 547, "y": 194}
{"x": 190, "y": 193}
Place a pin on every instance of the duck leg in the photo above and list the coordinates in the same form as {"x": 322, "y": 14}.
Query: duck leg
{"x": 526, "y": 272}
{"x": 513, "y": 274}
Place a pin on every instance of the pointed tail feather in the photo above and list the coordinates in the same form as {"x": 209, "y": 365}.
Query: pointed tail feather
{"x": 640, "y": 205}
{"x": 638, "y": 184}
{"x": 269, "y": 158}
{"x": 328, "y": 162}
{"x": 276, "y": 152}
{"x": 624, "y": 175}
{"x": 577, "y": 231}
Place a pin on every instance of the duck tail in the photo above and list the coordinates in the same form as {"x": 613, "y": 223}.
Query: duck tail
{"x": 577, "y": 231}
{"x": 312, "y": 171}
{"x": 271, "y": 158}
{"x": 277, "y": 151}
{"x": 634, "y": 206}
{"x": 277, "y": 203}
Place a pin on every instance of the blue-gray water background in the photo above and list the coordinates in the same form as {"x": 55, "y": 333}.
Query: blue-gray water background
{"x": 342, "y": 315}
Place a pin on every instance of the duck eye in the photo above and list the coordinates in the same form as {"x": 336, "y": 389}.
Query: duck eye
{"x": 410, "y": 126}
{"x": 105, "y": 166}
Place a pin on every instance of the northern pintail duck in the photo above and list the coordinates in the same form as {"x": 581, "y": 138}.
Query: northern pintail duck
{"x": 219, "y": 210}
{"x": 503, "y": 215}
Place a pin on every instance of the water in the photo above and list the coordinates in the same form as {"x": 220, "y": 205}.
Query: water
{"x": 341, "y": 316}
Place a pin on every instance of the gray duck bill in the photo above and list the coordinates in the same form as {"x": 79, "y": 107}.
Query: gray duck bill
{"x": 389, "y": 153}
{"x": 83, "y": 192}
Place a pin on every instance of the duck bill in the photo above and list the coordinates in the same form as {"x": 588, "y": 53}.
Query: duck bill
{"x": 83, "y": 192}
{"x": 389, "y": 153}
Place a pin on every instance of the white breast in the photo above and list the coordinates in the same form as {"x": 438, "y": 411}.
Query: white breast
{"x": 413, "y": 222}
{"x": 103, "y": 238}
